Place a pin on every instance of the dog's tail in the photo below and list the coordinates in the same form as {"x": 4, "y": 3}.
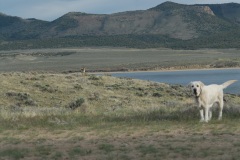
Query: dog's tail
{"x": 226, "y": 84}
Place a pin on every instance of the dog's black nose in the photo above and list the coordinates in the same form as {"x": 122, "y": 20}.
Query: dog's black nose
{"x": 195, "y": 91}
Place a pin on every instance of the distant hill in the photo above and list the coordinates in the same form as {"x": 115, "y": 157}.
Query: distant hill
{"x": 166, "y": 25}
{"x": 229, "y": 11}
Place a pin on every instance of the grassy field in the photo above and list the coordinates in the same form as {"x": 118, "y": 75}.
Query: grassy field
{"x": 70, "y": 116}
{"x": 115, "y": 59}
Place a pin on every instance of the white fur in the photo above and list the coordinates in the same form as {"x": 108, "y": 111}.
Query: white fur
{"x": 207, "y": 95}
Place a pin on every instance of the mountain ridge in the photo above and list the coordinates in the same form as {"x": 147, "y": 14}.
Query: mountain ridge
{"x": 169, "y": 19}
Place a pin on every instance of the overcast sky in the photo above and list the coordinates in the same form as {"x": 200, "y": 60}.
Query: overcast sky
{"x": 52, "y": 9}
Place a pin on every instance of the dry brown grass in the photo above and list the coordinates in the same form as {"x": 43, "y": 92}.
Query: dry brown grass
{"x": 69, "y": 116}
{"x": 101, "y": 94}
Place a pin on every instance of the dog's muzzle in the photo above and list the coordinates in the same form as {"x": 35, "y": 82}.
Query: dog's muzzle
{"x": 195, "y": 91}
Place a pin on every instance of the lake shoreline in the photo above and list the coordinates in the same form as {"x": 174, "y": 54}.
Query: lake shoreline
{"x": 161, "y": 70}
{"x": 184, "y": 77}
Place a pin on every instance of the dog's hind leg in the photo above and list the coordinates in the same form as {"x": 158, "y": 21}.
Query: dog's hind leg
{"x": 220, "y": 109}
{"x": 206, "y": 113}
{"x": 210, "y": 114}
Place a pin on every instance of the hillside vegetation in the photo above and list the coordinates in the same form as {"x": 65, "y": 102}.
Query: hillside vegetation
{"x": 169, "y": 25}
{"x": 97, "y": 94}
{"x": 70, "y": 116}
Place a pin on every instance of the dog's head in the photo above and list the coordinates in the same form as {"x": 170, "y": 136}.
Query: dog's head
{"x": 196, "y": 87}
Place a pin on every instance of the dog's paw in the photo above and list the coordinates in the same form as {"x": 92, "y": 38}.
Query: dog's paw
{"x": 202, "y": 121}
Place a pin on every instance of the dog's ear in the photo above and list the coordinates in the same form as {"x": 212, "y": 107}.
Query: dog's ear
{"x": 190, "y": 85}
{"x": 201, "y": 84}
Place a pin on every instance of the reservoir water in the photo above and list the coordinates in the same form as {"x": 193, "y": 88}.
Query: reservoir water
{"x": 217, "y": 76}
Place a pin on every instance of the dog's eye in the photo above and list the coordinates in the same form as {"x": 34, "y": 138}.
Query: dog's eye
{"x": 197, "y": 85}
{"x": 192, "y": 86}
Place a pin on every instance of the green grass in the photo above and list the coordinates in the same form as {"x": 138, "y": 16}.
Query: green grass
{"x": 43, "y": 150}
{"x": 79, "y": 151}
{"x": 57, "y": 155}
{"x": 14, "y": 153}
{"x": 106, "y": 147}
{"x": 147, "y": 149}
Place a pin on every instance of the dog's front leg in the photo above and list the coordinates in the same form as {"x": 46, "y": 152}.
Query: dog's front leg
{"x": 201, "y": 114}
{"x": 206, "y": 113}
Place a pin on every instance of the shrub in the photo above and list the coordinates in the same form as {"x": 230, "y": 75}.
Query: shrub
{"x": 23, "y": 98}
{"x": 19, "y": 96}
{"x": 45, "y": 88}
{"x": 94, "y": 77}
{"x": 78, "y": 87}
{"x": 156, "y": 94}
{"x": 76, "y": 104}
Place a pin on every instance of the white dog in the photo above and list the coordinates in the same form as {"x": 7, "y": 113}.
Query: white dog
{"x": 206, "y": 96}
